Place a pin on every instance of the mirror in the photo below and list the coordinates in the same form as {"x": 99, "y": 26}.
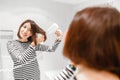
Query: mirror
{"x": 10, "y": 22}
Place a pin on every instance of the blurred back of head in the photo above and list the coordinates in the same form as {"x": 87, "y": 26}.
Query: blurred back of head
{"x": 93, "y": 39}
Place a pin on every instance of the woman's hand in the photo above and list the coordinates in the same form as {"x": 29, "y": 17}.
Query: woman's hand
{"x": 40, "y": 38}
{"x": 58, "y": 34}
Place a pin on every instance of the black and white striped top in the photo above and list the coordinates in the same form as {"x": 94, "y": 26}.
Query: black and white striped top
{"x": 24, "y": 57}
{"x": 67, "y": 74}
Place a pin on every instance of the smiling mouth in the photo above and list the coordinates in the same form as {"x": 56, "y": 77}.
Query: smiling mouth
{"x": 23, "y": 34}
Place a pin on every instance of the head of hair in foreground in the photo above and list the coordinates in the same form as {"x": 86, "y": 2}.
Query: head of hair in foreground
{"x": 93, "y": 39}
{"x": 34, "y": 29}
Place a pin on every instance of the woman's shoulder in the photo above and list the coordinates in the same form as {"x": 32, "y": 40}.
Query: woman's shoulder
{"x": 11, "y": 42}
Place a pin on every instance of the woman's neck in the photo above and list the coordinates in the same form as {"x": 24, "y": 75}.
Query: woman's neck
{"x": 23, "y": 40}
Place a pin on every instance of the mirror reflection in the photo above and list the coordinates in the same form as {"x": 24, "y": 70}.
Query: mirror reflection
{"x": 8, "y": 32}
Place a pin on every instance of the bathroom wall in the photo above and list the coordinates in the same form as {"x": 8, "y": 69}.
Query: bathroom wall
{"x": 6, "y": 63}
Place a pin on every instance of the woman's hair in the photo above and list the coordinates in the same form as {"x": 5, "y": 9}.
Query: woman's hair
{"x": 93, "y": 39}
{"x": 34, "y": 29}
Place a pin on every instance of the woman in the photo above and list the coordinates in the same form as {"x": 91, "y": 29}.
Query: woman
{"x": 22, "y": 51}
{"x": 92, "y": 44}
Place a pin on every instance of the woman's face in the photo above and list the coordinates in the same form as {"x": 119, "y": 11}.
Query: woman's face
{"x": 25, "y": 31}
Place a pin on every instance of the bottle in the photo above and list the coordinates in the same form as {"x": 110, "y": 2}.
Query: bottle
{"x": 52, "y": 28}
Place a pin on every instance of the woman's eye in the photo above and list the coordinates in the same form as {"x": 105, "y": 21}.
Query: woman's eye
{"x": 24, "y": 26}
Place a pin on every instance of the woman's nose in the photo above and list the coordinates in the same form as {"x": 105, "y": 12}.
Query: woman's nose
{"x": 25, "y": 30}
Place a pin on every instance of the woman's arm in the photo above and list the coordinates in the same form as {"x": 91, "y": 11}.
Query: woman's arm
{"x": 16, "y": 54}
{"x": 42, "y": 47}
{"x": 67, "y": 73}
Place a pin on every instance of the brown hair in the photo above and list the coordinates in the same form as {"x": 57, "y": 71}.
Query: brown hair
{"x": 93, "y": 39}
{"x": 34, "y": 29}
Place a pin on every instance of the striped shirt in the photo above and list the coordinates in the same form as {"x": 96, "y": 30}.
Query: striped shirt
{"x": 24, "y": 57}
{"x": 67, "y": 73}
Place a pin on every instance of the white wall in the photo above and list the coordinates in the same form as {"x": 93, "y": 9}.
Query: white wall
{"x": 5, "y": 60}
{"x": 87, "y": 3}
